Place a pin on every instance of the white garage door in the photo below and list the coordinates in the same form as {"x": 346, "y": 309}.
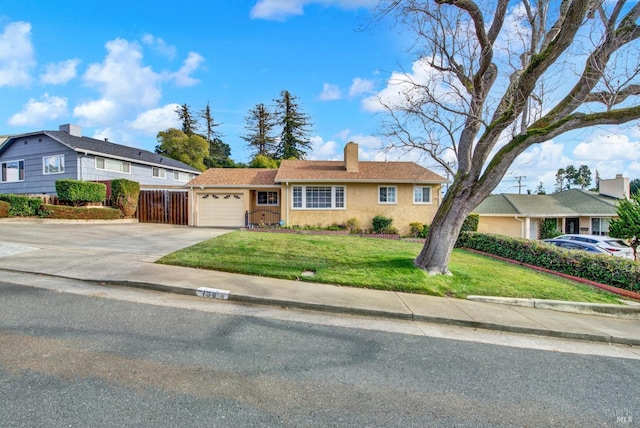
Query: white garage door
{"x": 221, "y": 210}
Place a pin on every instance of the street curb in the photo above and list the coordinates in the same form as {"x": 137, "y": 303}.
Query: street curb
{"x": 600, "y": 338}
{"x": 617, "y": 311}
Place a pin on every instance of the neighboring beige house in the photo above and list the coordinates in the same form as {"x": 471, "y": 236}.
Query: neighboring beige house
{"x": 316, "y": 193}
{"x": 576, "y": 211}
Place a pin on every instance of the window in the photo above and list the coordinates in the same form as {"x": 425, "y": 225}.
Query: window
{"x": 422, "y": 195}
{"x": 318, "y": 197}
{"x": 113, "y": 165}
{"x": 182, "y": 176}
{"x": 267, "y": 198}
{"x": 12, "y": 171}
{"x": 387, "y": 195}
{"x": 600, "y": 226}
{"x": 53, "y": 164}
{"x": 158, "y": 172}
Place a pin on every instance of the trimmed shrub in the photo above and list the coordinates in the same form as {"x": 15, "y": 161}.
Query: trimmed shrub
{"x": 418, "y": 230}
{"x": 124, "y": 196}
{"x": 548, "y": 229}
{"x": 381, "y": 224}
{"x": 81, "y": 213}
{"x": 78, "y": 193}
{"x": 470, "y": 223}
{"x": 4, "y": 209}
{"x": 22, "y": 206}
{"x": 614, "y": 271}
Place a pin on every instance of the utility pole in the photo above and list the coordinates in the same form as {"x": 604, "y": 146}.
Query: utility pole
{"x": 520, "y": 185}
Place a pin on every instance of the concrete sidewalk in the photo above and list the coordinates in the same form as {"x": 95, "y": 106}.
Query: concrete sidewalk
{"x": 124, "y": 256}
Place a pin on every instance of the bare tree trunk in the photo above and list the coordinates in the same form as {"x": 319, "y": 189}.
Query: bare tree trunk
{"x": 443, "y": 232}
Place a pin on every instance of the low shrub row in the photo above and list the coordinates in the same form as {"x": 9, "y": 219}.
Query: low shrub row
{"x": 78, "y": 192}
{"x": 80, "y": 213}
{"x": 22, "y": 206}
{"x": 614, "y": 271}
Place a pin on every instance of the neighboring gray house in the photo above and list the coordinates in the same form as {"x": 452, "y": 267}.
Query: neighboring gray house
{"x": 575, "y": 211}
{"x": 31, "y": 163}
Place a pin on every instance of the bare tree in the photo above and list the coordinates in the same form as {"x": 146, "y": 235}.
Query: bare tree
{"x": 492, "y": 79}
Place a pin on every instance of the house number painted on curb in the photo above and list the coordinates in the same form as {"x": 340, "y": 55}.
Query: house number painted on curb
{"x": 212, "y": 293}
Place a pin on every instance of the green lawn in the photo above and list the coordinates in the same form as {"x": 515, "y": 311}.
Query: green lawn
{"x": 375, "y": 263}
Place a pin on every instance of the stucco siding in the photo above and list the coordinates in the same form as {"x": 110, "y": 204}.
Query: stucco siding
{"x": 361, "y": 203}
{"x": 32, "y": 150}
{"x": 507, "y": 226}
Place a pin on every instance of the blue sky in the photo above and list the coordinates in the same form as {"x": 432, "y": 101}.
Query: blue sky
{"x": 119, "y": 68}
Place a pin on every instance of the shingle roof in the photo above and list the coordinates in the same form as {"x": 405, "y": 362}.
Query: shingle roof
{"x": 101, "y": 147}
{"x": 235, "y": 177}
{"x": 335, "y": 171}
{"x": 572, "y": 202}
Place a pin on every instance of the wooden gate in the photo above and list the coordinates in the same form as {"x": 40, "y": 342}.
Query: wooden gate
{"x": 163, "y": 206}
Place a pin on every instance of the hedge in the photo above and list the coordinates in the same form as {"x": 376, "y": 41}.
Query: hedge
{"x": 77, "y": 192}
{"x": 80, "y": 213}
{"x": 124, "y": 196}
{"x": 22, "y": 206}
{"x": 614, "y": 271}
{"x": 4, "y": 209}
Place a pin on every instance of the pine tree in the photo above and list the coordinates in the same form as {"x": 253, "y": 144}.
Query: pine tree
{"x": 294, "y": 141}
{"x": 209, "y": 124}
{"x": 189, "y": 123}
{"x": 259, "y": 125}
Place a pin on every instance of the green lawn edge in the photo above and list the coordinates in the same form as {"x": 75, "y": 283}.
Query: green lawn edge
{"x": 376, "y": 264}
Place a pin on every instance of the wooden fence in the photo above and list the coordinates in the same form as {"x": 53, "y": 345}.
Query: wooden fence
{"x": 163, "y": 206}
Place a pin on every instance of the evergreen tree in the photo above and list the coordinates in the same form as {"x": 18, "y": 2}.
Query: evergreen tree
{"x": 572, "y": 176}
{"x": 294, "y": 141}
{"x": 209, "y": 125}
{"x": 627, "y": 225}
{"x": 259, "y": 125}
{"x": 189, "y": 123}
{"x": 540, "y": 189}
{"x": 219, "y": 155}
{"x": 560, "y": 178}
{"x": 583, "y": 177}
{"x": 634, "y": 186}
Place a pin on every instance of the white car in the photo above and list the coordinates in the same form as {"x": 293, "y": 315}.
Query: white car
{"x": 615, "y": 246}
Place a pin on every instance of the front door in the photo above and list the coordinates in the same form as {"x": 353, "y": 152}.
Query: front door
{"x": 572, "y": 225}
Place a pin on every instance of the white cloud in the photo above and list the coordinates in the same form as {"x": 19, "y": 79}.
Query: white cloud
{"x": 152, "y": 121}
{"x": 324, "y": 150}
{"x": 36, "y": 112}
{"x": 191, "y": 64}
{"x": 121, "y": 77}
{"x": 279, "y": 10}
{"x": 413, "y": 85}
{"x": 159, "y": 45}
{"x": 61, "y": 72}
{"x": 608, "y": 148}
{"x": 330, "y": 92}
{"x": 96, "y": 113}
{"x": 16, "y": 54}
{"x": 360, "y": 86}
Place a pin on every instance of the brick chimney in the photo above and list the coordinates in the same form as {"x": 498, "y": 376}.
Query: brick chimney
{"x": 70, "y": 129}
{"x": 351, "y": 157}
{"x": 615, "y": 187}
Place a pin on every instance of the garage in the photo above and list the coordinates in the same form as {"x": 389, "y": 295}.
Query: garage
{"x": 221, "y": 209}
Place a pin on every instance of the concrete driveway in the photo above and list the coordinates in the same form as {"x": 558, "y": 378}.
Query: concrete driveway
{"x": 140, "y": 241}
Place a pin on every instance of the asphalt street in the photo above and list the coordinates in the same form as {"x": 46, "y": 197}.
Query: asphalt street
{"x": 73, "y": 360}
